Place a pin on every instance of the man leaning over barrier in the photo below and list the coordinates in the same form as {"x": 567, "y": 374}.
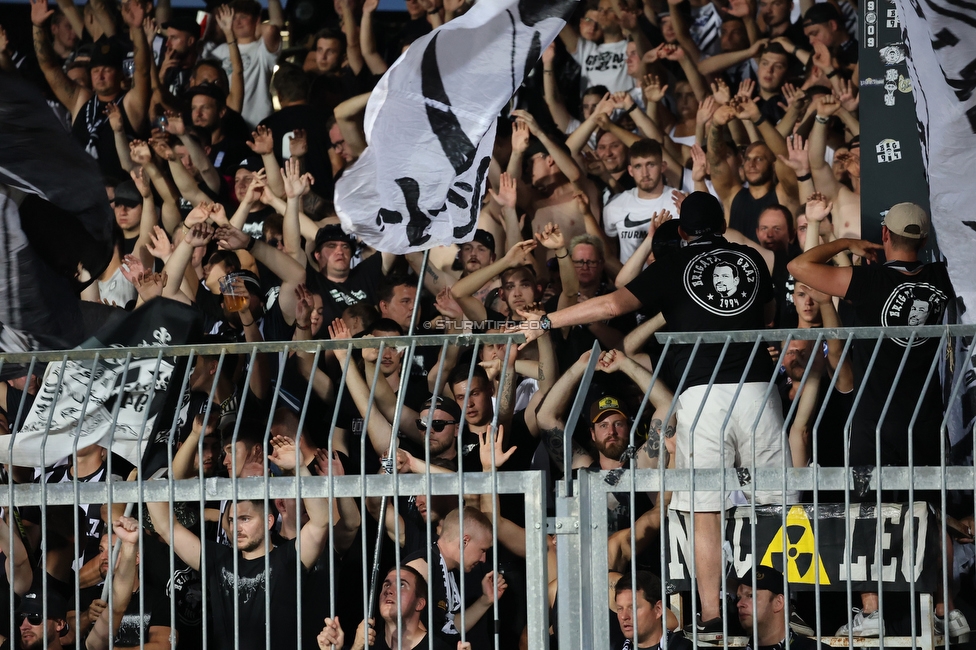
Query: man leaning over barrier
{"x": 691, "y": 289}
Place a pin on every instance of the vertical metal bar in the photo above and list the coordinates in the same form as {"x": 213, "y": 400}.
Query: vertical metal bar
{"x": 573, "y": 418}
{"x": 536, "y": 561}
{"x": 438, "y": 385}
{"x": 594, "y": 565}
{"x": 233, "y": 505}
{"x": 663, "y": 461}
{"x": 492, "y": 431}
{"x": 298, "y": 499}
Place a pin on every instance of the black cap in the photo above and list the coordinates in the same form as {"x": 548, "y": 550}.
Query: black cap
{"x": 444, "y": 404}
{"x": 127, "y": 194}
{"x": 767, "y": 578}
{"x": 210, "y": 90}
{"x": 183, "y": 24}
{"x": 701, "y": 213}
{"x": 33, "y": 603}
{"x": 331, "y": 232}
{"x": 106, "y": 52}
{"x": 822, "y": 13}
{"x": 535, "y": 146}
{"x": 484, "y": 238}
{"x": 666, "y": 239}
{"x": 251, "y": 164}
{"x": 251, "y": 281}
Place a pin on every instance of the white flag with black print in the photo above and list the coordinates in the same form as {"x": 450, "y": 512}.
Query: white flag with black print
{"x": 430, "y": 126}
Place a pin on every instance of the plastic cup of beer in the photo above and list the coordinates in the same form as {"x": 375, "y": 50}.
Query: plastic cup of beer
{"x": 235, "y": 294}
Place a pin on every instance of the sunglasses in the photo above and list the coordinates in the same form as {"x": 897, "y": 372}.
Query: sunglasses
{"x": 436, "y": 425}
{"x": 33, "y": 619}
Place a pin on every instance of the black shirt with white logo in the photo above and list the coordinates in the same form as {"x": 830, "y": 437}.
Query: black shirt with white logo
{"x": 711, "y": 285}
{"x": 898, "y": 294}
{"x": 359, "y": 286}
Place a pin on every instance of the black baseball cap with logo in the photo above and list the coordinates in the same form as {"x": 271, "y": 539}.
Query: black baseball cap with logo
{"x": 701, "y": 213}
{"x": 767, "y": 578}
{"x": 106, "y": 53}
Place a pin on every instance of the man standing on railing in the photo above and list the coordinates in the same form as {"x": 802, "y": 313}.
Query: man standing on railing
{"x": 901, "y": 292}
{"x": 710, "y": 285}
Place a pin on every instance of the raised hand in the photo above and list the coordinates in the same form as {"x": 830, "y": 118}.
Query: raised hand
{"x": 304, "y": 305}
{"x": 653, "y": 54}
{"x": 652, "y": 88}
{"x": 622, "y": 100}
{"x": 526, "y": 118}
{"x": 721, "y": 92}
{"x": 673, "y": 52}
{"x": 798, "y": 155}
{"x": 447, "y": 305}
{"x": 225, "y": 20}
{"x": 126, "y": 529}
{"x": 661, "y": 217}
{"x": 331, "y": 637}
{"x": 199, "y": 214}
{"x": 339, "y": 331}
{"x": 706, "y": 109}
{"x": 507, "y": 191}
{"x": 493, "y": 586}
{"x": 551, "y": 237}
{"x": 723, "y": 115}
{"x": 142, "y": 183}
{"x": 849, "y": 98}
{"x": 747, "y": 88}
{"x": 605, "y": 106}
{"x": 160, "y": 144}
{"x": 492, "y": 438}
{"x": 149, "y": 28}
{"x": 370, "y": 6}
{"x": 4, "y": 41}
{"x": 283, "y": 453}
{"x": 792, "y": 95}
{"x": 827, "y": 105}
{"x": 610, "y": 361}
{"x": 745, "y": 108}
{"x": 518, "y": 255}
{"x": 298, "y": 143}
{"x": 199, "y": 235}
{"x": 262, "y": 141}
{"x": 114, "y": 115}
{"x": 818, "y": 207}
{"x": 133, "y": 13}
{"x": 582, "y": 202}
{"x": 699, "y": 161}
{"x": 139, "y": 152}
{"x": 231, "y": 238}
{"x": 296, "y": 185}
{"x": 39, "y": 12}
{"x": 520, "y": 137}
{"x": 159, "y": 245}
{"x": 740, "y": 9}
{"x": 821, "y": 56}
{"x": 549, "y": 54}
{"x": 259, "y": 180}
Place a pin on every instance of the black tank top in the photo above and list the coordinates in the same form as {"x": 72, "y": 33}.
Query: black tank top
{"x": 744, "y": 215}
{"x": 92, "y": 130}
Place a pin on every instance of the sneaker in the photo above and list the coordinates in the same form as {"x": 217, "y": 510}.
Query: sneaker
{"x": 710, "y": 630}
{"x": 958, "y": 626}
{"x": 800, "y": 626}
{"x": 863, "y": 625}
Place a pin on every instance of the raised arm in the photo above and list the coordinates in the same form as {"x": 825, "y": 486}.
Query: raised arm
{"x": 123, "y": 582}
{"x": 73, "y": 95}
{"x": 823, "y": 176}
{"x": 185, "y": 183}
{"x": 551, "y": 416}
{"x": 563, "y": 160}
{"x": 175, "y": 126}
{"x": 18, "y": 570}
{"x": 199, "y": 235}
{"x": 136, "y": 101}
{"x": 726, "y": 184}
{"x": 348, "y": 116}
{"x": 184, "y": 543}
{"x": 350, "y": 28}
{"x": 262, "y": 143}
{"x": 235, "y": 98}
{"x": 557, "y": 109}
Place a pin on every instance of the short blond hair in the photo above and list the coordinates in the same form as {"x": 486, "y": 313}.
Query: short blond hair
{"x": 474, "y": 519}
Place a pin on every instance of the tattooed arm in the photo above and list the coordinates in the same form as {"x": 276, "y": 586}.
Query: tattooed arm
{"x": 73, "y": 95}
{"x": 552, "y": 411}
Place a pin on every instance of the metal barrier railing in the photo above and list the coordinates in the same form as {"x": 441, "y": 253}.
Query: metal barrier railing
{"x": 579, "y": 525}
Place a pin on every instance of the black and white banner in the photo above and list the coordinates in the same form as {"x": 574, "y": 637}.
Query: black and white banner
{"x": 812, "y": 545}
{"x": 940, "y": 45}
{"x": 61, "y": 413}
{"x": 430, "y": 126}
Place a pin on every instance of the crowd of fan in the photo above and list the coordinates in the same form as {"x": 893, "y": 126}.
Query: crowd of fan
{"x": 219, "y": 150}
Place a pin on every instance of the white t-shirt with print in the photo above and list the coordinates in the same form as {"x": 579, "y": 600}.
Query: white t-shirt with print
{"x": 258, "y": 68}
{"x": 627, "y": 217}
{"x": 603, "y": 65}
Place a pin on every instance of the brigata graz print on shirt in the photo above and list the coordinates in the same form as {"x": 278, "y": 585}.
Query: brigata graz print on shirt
{"x": 913, "y": 304}
{"x": 724, "y": 282}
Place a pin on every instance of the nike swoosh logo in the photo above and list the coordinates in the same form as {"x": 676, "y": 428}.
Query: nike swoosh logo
{"x": 633, "y": 224}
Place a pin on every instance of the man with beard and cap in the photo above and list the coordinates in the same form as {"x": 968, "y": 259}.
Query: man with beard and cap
{"x": 682, "y": 287}
{"x": 32, "y": 624}
{"x": 182, "y": 51}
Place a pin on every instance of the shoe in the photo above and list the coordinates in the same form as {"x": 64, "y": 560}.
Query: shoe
{"x": 958, "y": 626}
{"x": 799, "y": 625}
{"x": 710, "y": 630}
{"x": 863, "y": 625}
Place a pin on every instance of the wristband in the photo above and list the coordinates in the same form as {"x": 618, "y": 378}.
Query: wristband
{"x": 247, "y": 324}
{"x": 250, "y": 244}
{"x": 822, "y": 119}
{"x": 762, "y": 118}
{"x": 632, "y": 108}
{"x": 832, "y": 73}
{"x": 562, "y": 257}
{"x": 545, "y": 324}
{"x": 231, "y": 42}
{"x": 307, "y": 327}
{"x": 435, "y": 11}
{"x": 805, "y": 177}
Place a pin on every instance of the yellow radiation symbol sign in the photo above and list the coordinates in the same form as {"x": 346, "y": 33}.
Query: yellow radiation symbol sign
{"x": 800, "y": 550}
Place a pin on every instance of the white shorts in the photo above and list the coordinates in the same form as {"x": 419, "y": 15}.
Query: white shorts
{"x": 742, "y": 428}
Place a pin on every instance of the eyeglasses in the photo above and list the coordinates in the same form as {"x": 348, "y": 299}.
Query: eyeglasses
{"x": 33, "y": 619}
{"x": 436, "y": 425}
{"x": 586, "y": 263}
{"x": 337, "y": 145}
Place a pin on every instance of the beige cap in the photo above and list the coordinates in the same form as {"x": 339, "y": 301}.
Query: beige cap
{"x": 908, "y": 220}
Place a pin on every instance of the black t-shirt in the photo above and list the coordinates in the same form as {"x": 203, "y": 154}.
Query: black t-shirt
{"x": 711, "y": 285}
{"x": 184, "y": 582}
{"x": 745, "y": 211}
{"x": 252, "y": 583}
{"x": 227, "y": 155}
{"x": 328, "y": 91}
{"x": 91, "y": 129}
{"x": 783, "y": 285}
{"x": 888, "y": 296}
{"x": 439, "y": 643}
{"x": 135, "y": 625}
{"x": 676, "y": 641}
{"x": 445, "y": 592}
{"x": 359, "y": 286}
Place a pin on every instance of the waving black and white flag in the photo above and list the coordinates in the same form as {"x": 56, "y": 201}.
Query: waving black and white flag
{"x": 430, "y": 126}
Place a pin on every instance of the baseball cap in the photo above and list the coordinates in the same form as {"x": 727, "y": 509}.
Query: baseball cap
{"x": 251, "y": 281}
{"x": 251, "y": 164}
{"x": 821, "y": 13}
{"x": 908, "y": 220}
{"x": 106, "y": 53}
{"x": 444, "y": 404}
{"x": 485, "y": 238}
{"x": 33, "y": 603}
{"x": 127, "y": 194}
{"x": 604, "y": 406}
{"x": 183, "y": 24}
{"x": 210, "y": 90}
{"x": 767, "y": 578}
{"x": 667, "y": 239}
{"x": 331, "y": 232}
{"x": 701, "y": 213}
